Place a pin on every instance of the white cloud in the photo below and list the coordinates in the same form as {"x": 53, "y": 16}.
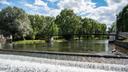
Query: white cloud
{"x": 41, "y": 8}
{"x": 85, "y": 8}
{"x": 40, "y": 3}
{"x": 77, "y": 5}
{"x": 28, "y": 5}
{"x": 53, "y": 12}
{"x": 108, "y": 13}
{"x": 52, "y": 0}
{"x": 4, "y": 2}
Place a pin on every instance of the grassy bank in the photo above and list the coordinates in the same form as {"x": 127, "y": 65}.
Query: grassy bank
{"x": 35, "y": 41}
{"x": 43, "y": 41}
{"x": 29, "y": 42}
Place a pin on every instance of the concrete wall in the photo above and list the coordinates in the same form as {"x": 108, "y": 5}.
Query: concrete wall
{"x": 122, "y": 44}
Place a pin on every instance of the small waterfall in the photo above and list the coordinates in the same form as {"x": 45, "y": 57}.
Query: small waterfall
{"x": 16, "y": 63}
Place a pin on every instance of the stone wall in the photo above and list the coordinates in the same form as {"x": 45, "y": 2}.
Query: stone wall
{"x": 122, "y": 44}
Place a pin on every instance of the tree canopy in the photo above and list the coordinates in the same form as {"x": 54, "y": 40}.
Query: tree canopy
{"x": 122, "y": 20}
{"x": 18, "y": 23}
{"x": 50, "y": 27}
{"x": 68, "y": 23}
{"x": 15, "y": 21}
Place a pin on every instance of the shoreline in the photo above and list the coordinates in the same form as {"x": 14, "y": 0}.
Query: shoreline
{"x": 121, "y": 44}
{"x": 70, "y": 56}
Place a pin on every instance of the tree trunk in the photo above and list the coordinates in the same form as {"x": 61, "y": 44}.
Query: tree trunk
{"x": 49, "y": 39}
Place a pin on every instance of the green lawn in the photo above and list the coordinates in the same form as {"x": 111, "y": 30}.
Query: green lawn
{"x": 35, "y": 41}
{"x": 29, "y": 41}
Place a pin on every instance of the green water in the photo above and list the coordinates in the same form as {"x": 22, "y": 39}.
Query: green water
{"x": 83, "y": 46}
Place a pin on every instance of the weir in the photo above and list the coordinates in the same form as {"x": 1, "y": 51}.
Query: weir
{"x": 14, "y": 60}
{"x": 16, "y": 63}
{"x": 84, "y": 57}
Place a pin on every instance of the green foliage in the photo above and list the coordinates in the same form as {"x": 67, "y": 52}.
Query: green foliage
{"x": 122, "y": 20}
{"x": 15, "y": 22}
{"x": 43, "y": 26}
{"x": 68, "y": 23}
{"x": 29, "y": 42}
{"x": 37, "y": 23}
{"x": 92, "y": 26}
{"x": 113, "y": 28}
{"x": 50, "y": 28}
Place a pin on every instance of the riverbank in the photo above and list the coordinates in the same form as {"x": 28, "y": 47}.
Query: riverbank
{"x": 43, "y": 41}
{"x": 35, "y": 41}
{"x": 29, "y": 42}
{"x": 82, "y": 57}
{"x": 121, "y": 44}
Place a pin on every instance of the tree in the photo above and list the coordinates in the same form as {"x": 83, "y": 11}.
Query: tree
{"x": 112, "y": 28}
{"x": 15, "y": 22}
{"x": 86, "y": 26}
{"x": 37, "y": 23}
{"x": 68, "y": 23}
{"x": 50, "y": 29}
{"x": 103, "y": 28}
{"x": 91, "y": 26}
{"x": 122, "y": 20}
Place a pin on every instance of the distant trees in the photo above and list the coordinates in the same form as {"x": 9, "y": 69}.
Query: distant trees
{"x": 15, "y": 22}
{"x": 112, "y": 28}
{"x": 91, "y": 26}
{"x": 43, "y": 26}
{"x": 21, "y": 25}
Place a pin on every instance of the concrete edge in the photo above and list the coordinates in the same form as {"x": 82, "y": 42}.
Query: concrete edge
{"x": 4, "y": 51}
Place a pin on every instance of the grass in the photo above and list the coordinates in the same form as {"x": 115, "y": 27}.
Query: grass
{"x": 29, "y": 42}
{"x": 59, "y": 40}
{"x": 35, "y": 41}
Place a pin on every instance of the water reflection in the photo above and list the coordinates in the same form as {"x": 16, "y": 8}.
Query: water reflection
{"x": 80, "y": 46}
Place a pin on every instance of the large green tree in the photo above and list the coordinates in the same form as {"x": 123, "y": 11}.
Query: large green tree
{"x": 37, "y": 22}
{"x": 15, "y": 22}
{"x": 68, "y": 23}
{"x": 49, "y": 29}
{"x": 122, "y": 20}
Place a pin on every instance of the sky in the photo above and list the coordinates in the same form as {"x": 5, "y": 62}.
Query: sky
{"x": 104, "y": 11}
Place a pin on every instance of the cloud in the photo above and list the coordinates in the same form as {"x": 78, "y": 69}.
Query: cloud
{"x": 5, "y": 2}
{"x": 41, "y": 8}
{"x": 28, "y": 5}
{"x": 77, "y": 5}
{"x": 52, "y": 0}
{"x": 85, "y": 8}
{"x": 40, "y": 3}
{"x": 108, "y": 13}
